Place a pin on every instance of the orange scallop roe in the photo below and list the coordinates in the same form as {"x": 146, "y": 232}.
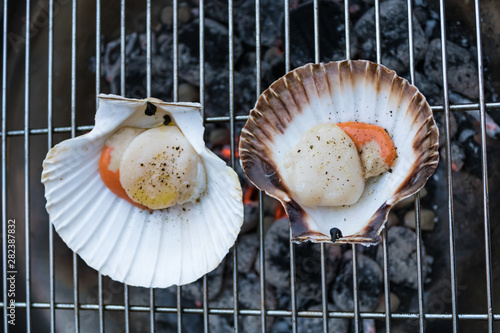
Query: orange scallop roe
{"x": 112, "y": 179}
{"x": 362, "y": 133}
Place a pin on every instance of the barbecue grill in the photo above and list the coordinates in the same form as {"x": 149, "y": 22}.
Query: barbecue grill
{"x": 46, "y": 68}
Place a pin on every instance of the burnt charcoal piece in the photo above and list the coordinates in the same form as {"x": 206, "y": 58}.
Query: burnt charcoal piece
{"x": 402, "y": 247}
{"x": 331, "y": 33}
{"x": 394, "y": 36}
{"x": 193, "y": 292}
{"x": 216, "y": 51}
{"x": 135, "y": 67}
{"x": 433, "y": 94}
{"x": 249, "y": 298}
{"x": 248, "y": 248}
{"x": 311, "y": 325}
{"x": 217, "y": 94}
{"x": 244, "y": 19}
{"x": 307, "y": 263}
{"x": 218, "y": 323}
{"x": 370, "y": 284}
{"x": 462, "y": 68}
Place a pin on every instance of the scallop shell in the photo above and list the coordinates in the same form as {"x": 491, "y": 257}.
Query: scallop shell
{"x": 144, "y": 248}
{"x": 340, "y": 92}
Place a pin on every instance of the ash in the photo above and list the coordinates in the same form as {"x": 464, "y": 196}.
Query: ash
{"x": 402, "y": 244}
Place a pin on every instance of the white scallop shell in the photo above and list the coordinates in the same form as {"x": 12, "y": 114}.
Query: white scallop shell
{"x": 144, "y": 248}
{"x": 340, "y": 92}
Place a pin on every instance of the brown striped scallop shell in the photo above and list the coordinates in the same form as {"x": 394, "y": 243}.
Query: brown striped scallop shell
{"x": 355, "y": 90}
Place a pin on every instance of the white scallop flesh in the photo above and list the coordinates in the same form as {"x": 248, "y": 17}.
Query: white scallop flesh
{"x": 160, "y": 169}
{"x": 119, "y": 141}
{"x": 324, "y": 168}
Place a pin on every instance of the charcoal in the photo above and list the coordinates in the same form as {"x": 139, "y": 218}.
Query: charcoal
{"x": 217, "y": 94}
{"x": 244, "y": 18}
{"x": 312, "y": 325}
{"x": 433, "y": 94}
{"x": 427, "y": 217}
{"x": 402, "y": 247}
{"x": 135, "y": 68}
{"x": 440, "y": 120}
{"x": 193, "y": 292}
{"x": 394, "y": 36}
{"x": 457, "y": 155}
{"x": 248, "y": 249}
{"x": 370, "y": 283}
{"x": 273, "y": 65}
{"x": 216, "y": 51}
{"x": 307, "y": 264}
{"x": 249, "y": 298}
{"x": 331, "y": 33}
{"x": 218, "y": 323}
{"x": 251, "y": 217}
{"x": 462, "y": 68}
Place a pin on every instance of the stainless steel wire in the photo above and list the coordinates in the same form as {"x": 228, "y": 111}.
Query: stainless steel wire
{"x": 98, "y": 90}
{"x": 449, "y": 178}
{"x": 4, "y": 163}
{"x": 201, "y": 8}
{"x": 26, "y": 164}
{"x": 324, "y": 300}
{"x": 126, "y": 296}
{"x": 232, "y": 160}
{"x": 418, "y": 229}
{"x": 50, "y": 93}
{"x": 293, "y": 296}
{"x": 258, "y": 89}
{"x": 484, "y": 167}
{"x": 387, "y": 288}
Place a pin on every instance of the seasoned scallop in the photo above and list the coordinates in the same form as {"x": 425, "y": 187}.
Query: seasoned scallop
{"x": 170, "y": 231}
{"x": 387, "y": 119}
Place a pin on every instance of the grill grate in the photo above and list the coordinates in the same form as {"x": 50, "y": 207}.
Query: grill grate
{"x": 26, "y": 303}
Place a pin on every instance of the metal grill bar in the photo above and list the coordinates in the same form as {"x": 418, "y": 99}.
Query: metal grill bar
{"x": 258, "y": 89}
{"x": 324, "y": 301}
{"x": 484, "y": 167}
{"x": 257, "y": 312}
{"x": 4, "y": 164}
{"x": 201, "y": 8}
{"x": 126, "y": 296}
{"x": 98, "y": 90}
{"x": 293, "y": 296}
{"x": 50, "y": 144}
{"x": 449, "y": 178}
{"x": 241, "y": 118}
{"x": 387, "y": 295}
{"x": 418, "y": 229}
{"x": 26, "y": 161}
{"x": 357, "y": 327}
